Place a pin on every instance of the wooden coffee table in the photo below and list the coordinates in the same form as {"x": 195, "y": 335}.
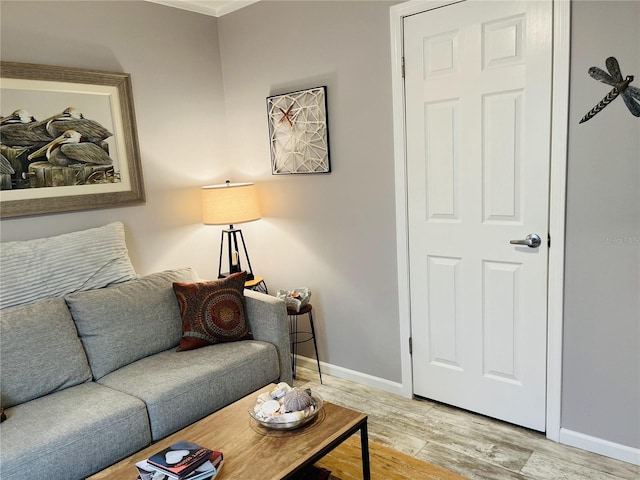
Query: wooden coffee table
{"x": 253, "y": 452}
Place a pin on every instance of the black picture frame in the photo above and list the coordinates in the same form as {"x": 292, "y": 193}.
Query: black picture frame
{"x": 299, "y": 132}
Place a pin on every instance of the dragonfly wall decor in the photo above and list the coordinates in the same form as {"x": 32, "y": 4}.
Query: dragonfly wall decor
{"x": 630, "y": 94}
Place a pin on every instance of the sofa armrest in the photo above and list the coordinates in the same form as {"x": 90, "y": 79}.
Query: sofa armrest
{"x": 269, "y": 323}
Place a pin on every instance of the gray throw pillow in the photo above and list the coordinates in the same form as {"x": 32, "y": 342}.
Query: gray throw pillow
{"x": 32, "y": 270}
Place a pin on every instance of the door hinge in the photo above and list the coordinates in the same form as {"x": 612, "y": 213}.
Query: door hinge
{"x": 402, "y": 66}
{"x": 410, "y": 346}
{"x": 548, "y": 240}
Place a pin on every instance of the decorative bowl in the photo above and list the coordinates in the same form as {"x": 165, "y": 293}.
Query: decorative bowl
{"x": 280, "y": 422}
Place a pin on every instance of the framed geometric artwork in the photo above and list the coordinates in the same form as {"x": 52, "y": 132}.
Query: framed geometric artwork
{"x": 68, "y": 140}
{"x": 298, "y": 132}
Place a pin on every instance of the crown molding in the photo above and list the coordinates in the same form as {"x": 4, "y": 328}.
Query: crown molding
{"x": 214, "y": 8}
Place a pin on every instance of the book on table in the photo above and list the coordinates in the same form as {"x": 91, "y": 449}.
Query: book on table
{"x": 206, "y": 471}
{"x": 182, "y": 461}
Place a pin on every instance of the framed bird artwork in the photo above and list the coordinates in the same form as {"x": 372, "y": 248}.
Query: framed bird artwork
{"x": 68, "y": 140}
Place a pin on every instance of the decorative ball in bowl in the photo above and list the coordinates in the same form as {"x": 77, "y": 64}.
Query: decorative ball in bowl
{"x": 286, "y": 407}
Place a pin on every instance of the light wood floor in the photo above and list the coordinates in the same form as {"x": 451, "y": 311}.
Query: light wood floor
{"x": 471, "y": 445}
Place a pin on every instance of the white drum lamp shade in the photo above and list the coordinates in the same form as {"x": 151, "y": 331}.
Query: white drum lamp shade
{"x": 230, "y": 203}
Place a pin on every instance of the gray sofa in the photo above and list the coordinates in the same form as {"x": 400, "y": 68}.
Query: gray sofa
{"x": 93, "y": 377}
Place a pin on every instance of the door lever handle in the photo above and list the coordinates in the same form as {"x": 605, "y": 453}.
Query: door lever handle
{"x": 532, "y": 241}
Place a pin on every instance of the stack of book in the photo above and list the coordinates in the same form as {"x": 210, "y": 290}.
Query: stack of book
{"x": 181, "y": 461}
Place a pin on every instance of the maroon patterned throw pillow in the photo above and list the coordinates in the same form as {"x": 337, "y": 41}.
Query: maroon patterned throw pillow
{"x": 212, "y": 312}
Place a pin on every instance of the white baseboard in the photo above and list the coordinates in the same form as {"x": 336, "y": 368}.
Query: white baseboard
{"x": 351, "y": 375}
{"x": 600, "y": 446}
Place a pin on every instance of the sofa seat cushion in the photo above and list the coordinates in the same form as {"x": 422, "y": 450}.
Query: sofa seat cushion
{"x": 182, "y": 387}
{"x": 124, "y": 323}
{"x": 40, "y": 352}
{"x": 71, "y": 434}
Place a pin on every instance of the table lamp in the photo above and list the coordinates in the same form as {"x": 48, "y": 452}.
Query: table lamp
{"x": 229, "y": 204}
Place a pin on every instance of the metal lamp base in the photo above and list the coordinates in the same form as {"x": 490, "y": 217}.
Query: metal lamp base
{"x": 233, "y": 253}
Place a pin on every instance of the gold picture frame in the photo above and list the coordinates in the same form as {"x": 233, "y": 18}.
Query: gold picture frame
{"x": 36, "y": 177}
{"x": 298, "y": 132}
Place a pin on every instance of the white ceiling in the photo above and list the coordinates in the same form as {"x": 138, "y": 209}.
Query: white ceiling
{"x": 215, "y": 8}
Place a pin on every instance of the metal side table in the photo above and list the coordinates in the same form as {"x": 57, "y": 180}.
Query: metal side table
{"x": 296, "y": 337}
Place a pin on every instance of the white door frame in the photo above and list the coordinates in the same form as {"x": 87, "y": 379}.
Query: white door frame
{"x": 557, "y": 197}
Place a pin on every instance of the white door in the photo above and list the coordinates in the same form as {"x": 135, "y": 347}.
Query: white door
{"x": 478, "y": 114}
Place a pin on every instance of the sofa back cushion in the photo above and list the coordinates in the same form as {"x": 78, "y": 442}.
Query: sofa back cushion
{"x": 32, "y": 270}
{"x": 124, "y": 323}
{"x": 40, "y": 352}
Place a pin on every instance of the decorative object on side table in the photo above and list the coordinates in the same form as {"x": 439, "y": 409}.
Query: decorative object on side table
{"x": 286, "y": 408}
{"x": 229, "y": 204}
{"x": 298, "y": 132}
{"x": 295, "y": 299}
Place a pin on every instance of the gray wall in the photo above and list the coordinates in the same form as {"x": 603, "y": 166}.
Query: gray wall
{"x": 174, "y": 62}
{"x": 601, "y": 374}
{"x": 336, "y": 233}
{"x": 333, "y": 233}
